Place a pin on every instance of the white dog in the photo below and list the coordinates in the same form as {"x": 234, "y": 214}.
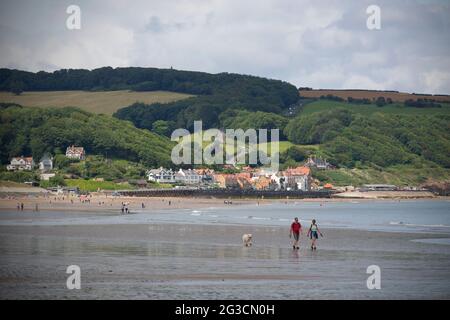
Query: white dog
{"x": 247, "y": 239}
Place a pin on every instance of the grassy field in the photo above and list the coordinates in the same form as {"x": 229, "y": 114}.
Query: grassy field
{"x": 372, "y": 94}
{"x": 367, "y": 109}
{"x": 106, "y": 102}
{"x": 282, "y": 145}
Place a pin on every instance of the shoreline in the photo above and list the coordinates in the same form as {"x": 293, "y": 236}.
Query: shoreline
{"x": 104, "y": 203}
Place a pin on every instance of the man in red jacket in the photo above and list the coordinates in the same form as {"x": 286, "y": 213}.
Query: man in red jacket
{"x": 296, "y": 229}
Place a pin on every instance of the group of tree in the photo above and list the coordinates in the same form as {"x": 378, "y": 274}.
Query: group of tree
{"x": 422, "y": 103}
{"x": 243, "y": 119}
{"x": 379, "y": 139}
{"x": 216, "y": 93}
{"x": 208, "y": 108}
{"x": 35, "y": 131}
{"x": 332, "y": 97}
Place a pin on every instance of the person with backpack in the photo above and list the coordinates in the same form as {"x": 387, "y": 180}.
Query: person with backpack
{"x": 313, "y": 233}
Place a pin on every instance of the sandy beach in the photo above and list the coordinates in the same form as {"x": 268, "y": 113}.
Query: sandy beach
{"x": 104, "y": 203}
{"x": 166, "y": 259}
{"x": 100, "y": 202}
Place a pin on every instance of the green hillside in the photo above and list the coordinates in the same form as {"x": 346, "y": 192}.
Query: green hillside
{"x": 31, "y": 131}
{"x": 380, "y": 139}
{"x": 367, "y": 109}
{"x": 367, "y": 140}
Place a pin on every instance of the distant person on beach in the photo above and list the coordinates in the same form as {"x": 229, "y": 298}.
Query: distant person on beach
{"x": 21, "y": 206}
{"x": 313, "y": 233}
{"x": 296, "y": 229}
{"x": 18, "y": 206}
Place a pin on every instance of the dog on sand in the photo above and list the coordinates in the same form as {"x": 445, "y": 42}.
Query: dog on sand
{"x": 247, "y": 239}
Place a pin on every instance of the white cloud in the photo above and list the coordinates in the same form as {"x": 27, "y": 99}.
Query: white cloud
{"x": 323, "y": 44}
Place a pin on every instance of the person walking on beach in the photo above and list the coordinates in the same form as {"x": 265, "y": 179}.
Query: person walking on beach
{"x": 313, "y": 233}
{"x": 296, "y": 229}
{"x": 21, "y": 206}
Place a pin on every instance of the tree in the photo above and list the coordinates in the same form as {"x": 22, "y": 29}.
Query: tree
{"x": 162, "y": 127}
{"x": 16, "y": 88}
{"x": 380, "y": 101}
{"x": 296, "y": 153}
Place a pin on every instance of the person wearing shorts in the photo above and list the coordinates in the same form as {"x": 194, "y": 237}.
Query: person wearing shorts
{"x": 313, "y": 233}
{"x": 295, "y": 231}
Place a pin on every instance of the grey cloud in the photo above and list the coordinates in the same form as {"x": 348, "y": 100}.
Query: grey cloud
{"x": 323, "y": 44}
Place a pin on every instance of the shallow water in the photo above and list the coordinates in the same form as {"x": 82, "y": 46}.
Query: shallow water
{"x": 405, "y": 216}
{"x": 408, "y": 216}
{"x": 199, "y": 255}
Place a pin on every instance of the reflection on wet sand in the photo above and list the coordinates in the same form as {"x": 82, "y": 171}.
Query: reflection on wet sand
{"x": 174, "y": 261}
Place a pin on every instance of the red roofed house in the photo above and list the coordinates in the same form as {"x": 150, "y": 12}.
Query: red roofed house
{"x": 73, "y": 152}
{"x": 244, "y": 182}
{"x": 297, "y": 178}
{"x": 234, "y": 181}
{"x": 264, "y": 183}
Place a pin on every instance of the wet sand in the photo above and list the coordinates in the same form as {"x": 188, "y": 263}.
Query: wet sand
{"x": 176, "y": 261}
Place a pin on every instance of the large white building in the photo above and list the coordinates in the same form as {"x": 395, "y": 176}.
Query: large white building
{"x": 188, "y": 177}
{"x": 73, "y": 152}
{"x": 161, "y": 175}
{"x": 20, "y": 164}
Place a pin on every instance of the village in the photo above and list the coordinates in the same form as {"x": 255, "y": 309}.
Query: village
{"x": 244, "y": 178}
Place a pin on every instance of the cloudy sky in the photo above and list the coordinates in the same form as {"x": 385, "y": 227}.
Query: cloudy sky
{"x": 320, "y": 43}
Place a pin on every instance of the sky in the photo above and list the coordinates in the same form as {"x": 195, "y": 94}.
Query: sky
{"x": 320, "y": 44}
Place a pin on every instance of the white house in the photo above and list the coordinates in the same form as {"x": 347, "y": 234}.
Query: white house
{"x": 296, "y": 182}
{"x": 188, "y": 177}
{"x": 296, "y": 178}
{"x": 161, "y": 175}
{"x": 46, "y": 176}
{"x": 314, "y": 162}
{"x": 20, "y": 164}
{"x": 73, "y": 152}
{"x": 265, "y": 172}
{"x": 46, "y": 163}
